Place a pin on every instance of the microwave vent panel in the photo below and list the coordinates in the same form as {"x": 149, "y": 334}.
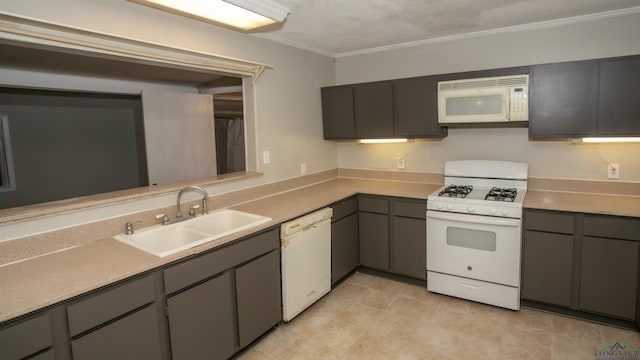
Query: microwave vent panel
{"x": 483, "y": 83}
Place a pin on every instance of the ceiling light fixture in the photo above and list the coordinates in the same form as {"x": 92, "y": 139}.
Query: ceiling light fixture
{"x": 610, "y": 139}
{"x": 381, "y": 141}
{"x": 240, "y": 14}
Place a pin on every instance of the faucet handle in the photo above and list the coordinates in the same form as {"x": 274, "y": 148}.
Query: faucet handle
{"x": 163, "y": 217}
{"x": 192, "y": 209}
{"x": 128, "y": 227}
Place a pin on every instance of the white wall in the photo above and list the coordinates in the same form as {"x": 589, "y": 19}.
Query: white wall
{"x": 604, "y": 37}
{"x": 289, "y": 115}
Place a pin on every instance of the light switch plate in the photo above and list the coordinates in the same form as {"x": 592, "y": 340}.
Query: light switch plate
{"x": 400, "y": 163}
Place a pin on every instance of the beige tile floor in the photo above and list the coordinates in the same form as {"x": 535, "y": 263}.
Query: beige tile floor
{"x": 368, "y": 317}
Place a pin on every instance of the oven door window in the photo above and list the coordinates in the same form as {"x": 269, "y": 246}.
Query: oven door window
{"x": 471, "y": 238}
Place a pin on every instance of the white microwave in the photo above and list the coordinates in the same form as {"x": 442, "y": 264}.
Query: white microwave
{"x": 493, "y": 99}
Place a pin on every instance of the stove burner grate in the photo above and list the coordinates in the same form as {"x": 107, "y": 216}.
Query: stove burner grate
{"x": 502, "y": 194}
{"x": 456, "y": 191}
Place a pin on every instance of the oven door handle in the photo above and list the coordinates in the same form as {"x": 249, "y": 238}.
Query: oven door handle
{"x": 476, "y": 219}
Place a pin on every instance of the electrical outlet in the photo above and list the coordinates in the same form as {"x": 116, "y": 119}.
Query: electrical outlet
{"x": 303, "y": 168}
{"x": 266, "y": 157}
{"x": 613, "y": 171}
{"x": 400, "y": 163}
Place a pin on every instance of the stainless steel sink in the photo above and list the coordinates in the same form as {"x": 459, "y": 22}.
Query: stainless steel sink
{"x": 164, "y": 240}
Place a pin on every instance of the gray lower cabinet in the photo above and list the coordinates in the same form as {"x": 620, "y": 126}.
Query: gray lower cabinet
{"x": 408, "y": 239}
{"x": 120, "y": 322}
{"x": 136, "y": 336}
{"x": 373, "y": 230}
{"x": 392, "y": 234}
{"x": 258, "y": 296}
{"x": 205, "y": 307}
{"x": 22, "y": 339}
{"x": 609, "y": 276}
{"x": 201, "y": 321}
{"x": 344, "y": 239}
{"x": 609, "y": 267}
{"x": 547, "y": 268}
{"x": 219, "y": 302}
{"x": 583, "y": 262}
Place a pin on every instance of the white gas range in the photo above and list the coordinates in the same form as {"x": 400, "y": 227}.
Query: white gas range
{"x": 474, "y": 227}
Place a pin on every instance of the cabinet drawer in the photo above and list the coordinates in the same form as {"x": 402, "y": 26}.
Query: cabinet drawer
{"x": 109, "y": 304}
{"x": 612, "y": 227}
{"x": 136, "y": 336}
{"x": 413, "y": 209}
{"x": 556, "y": 222}
{"x": 344, "y": 208}
{"x": 26, "y": 338}
{"x": 372, "y": 204}
{"x": 191, "y": 271}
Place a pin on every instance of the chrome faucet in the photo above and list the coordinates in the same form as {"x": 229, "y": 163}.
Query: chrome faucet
{"x": 193, "y": 188}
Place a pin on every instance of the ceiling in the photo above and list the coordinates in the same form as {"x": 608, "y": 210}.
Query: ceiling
{"x": 342, "y": 27}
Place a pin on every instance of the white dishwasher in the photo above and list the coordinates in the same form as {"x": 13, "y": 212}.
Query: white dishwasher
{"x": 306, "y": 261}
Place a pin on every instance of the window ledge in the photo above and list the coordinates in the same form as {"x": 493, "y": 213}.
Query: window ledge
{"x": 30, "y": 212}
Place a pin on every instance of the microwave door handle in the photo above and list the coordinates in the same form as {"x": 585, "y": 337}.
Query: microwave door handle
{"x": 484, "y": 220}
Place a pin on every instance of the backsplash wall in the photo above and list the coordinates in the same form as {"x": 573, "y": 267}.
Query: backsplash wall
{"x": 546, "y": 159}
{"x": 596, "y": 38}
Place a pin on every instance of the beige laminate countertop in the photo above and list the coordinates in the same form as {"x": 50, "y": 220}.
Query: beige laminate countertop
{"x": 43, "y": 281}
{"x": 620, "y": 205}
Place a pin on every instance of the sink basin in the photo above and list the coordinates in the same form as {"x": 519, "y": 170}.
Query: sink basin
{"x": 164, "y": 240}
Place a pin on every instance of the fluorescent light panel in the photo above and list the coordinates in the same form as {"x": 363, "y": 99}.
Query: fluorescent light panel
{"x": 241, "y": 14}
{"x": 610, "y": 139}
{"x": 381, "y": 141}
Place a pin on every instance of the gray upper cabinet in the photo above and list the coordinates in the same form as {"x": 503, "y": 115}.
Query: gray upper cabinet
{"x": 563, "y": 100}
{"x": 382, "y": 109}
{"x": 619, "y": 105}
{"x": 374, "y": 109}
{"x": 585, "y": 98}
{"x": 416, "y": 108}
{"x": 338, "y": 113}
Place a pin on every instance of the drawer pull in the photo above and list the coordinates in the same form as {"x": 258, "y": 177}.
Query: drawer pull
{"x": 470, "y": 286}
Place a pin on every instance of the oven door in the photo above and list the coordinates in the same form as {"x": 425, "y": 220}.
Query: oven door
{"x": 474, "y": 246}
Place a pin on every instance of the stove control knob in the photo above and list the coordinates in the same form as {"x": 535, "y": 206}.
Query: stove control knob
{"x": 470, "y": 208}
{"x": 439, "y": 205}
{"x": 504, "y": 211}
{"x": 450, "y": 206}
{"x": 493, "y": 210}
